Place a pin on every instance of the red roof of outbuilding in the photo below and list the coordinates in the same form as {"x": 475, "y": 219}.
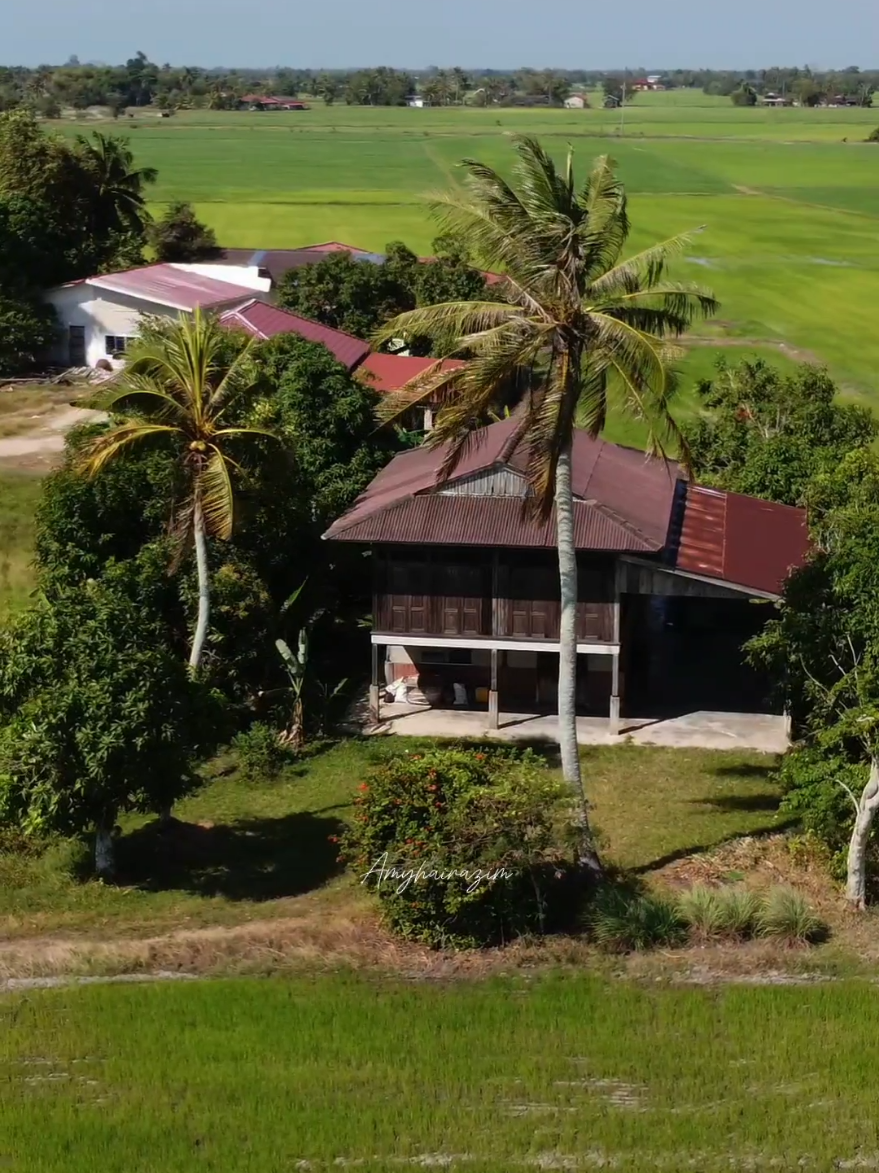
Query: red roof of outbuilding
{"x": 739, "y": 539}
{"x": 267, "y": 321}
{"x": 391, "y": 372}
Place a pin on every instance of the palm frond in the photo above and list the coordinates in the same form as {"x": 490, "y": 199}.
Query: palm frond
{"x": 106, "y": 447}
{"x": 214, "y": 489}
{"x": 641, "y": 271}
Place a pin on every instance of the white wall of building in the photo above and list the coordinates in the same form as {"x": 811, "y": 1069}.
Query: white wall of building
{"x": 247, "y": 275}
{"x": 102, "y": 314}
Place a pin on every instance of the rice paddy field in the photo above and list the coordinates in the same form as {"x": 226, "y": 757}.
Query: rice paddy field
{"x": 557, "y": 1072}
{"x": 787, "y": 199}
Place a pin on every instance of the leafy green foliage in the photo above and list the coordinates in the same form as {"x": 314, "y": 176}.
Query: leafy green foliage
{"x": 86, "y": 196}
{"x": 99, "y": 714}
{"x": 180, "y": 236}
{"x": 325, "y": 417}
{"x": 27, "y": 328}
{"x": 260, "y": 753}
{"x": 622, "y": 921}
{"x": 823, "y": 649}
{"x": 767, "y": 434}
{"x": 484, "y": 839}
{"x": 351, "y": 295}
{"x": 873, "y": 136}
{"x": 359, "y": 296}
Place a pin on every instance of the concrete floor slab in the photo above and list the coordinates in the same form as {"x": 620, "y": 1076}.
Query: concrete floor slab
{"x": 701, "y": 730}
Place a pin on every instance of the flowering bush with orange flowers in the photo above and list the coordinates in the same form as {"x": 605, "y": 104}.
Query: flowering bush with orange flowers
{"x": 462, "y": 847}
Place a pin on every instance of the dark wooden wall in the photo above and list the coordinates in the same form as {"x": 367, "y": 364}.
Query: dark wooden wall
{"x": 467, "y": 593}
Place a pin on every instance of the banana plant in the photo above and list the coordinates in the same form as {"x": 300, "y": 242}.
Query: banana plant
{"x": 296, "y": 667}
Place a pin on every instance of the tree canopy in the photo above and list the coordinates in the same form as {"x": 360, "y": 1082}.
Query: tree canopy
{"x": 767, "y": 434}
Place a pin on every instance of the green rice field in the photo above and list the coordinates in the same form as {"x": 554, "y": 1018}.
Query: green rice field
{"x": 338, "y": 1071}
{"x": 788, "y": 199}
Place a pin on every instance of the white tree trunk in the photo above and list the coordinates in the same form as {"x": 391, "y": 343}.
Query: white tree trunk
{"x": 567, "y": 693}
{"x": 204, "y": 588}
{"x": 105, "y": 856}
{"x": 868, "y": 805}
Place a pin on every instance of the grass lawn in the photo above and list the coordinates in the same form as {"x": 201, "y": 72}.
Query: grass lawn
{"x": 19, "y": 495}
{"x": 261, "y": 850}
{"x": 555, "y": 1072}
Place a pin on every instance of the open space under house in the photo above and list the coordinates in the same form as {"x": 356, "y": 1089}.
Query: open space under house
{"x": 466, "y": 598}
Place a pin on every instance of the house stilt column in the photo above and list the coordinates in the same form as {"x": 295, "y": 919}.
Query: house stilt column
{"x": 615, "y": 696}
{"x": 374, "y": 711}
{"x": 619, "y": 583}
{"x": 493, "y": 705}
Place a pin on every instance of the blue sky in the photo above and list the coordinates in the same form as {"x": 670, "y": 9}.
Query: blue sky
{"x": 593, "y": 34}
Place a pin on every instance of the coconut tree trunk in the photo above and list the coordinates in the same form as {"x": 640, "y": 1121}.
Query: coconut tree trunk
{"x": 105, "y": 854}
{"x": 567, "y": 692}
{"x": 204, "y": 588}
{"x": 868, "y": 805}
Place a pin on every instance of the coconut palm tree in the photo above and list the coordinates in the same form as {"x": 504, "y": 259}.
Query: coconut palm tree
{"x": 120, "y": 202}
{"x": 186, "y": 384}
{"x": 579, "y": 322}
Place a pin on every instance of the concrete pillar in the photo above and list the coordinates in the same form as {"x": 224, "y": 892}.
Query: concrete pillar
{"x": 615, "y": 696}
{"x": 374, "y": 693}
{"x": 493, "y": 700}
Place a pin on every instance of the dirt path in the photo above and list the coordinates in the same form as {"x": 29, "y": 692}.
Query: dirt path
{"x": 40, "y": 447}
{"x": 797, "y": 353}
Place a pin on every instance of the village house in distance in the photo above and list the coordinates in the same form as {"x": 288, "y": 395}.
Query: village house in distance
{"x": 466, "y": 595}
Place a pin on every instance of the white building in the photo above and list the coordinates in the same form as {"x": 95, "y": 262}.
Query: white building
{"x": 576, "y": 102}
{"x": 99, "y": 315}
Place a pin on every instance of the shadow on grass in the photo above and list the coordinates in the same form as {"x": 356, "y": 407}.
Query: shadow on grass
{"x": 762, "y": 770}
{"x": 777, "y": 826}
{"x": 740, "y": 802}
{"x": 254, "y": 859}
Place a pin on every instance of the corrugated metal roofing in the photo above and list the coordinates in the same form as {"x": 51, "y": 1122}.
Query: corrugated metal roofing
{"x": 168, "y": 286}
{"x": 267, "y": 321}
{"x": 391, "y": 372}
{"x": 434, "y": 519}
{"x": 630, "y": 513}
{"x": 740, "y": 539}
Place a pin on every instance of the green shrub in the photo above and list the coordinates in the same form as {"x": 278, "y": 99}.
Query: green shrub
{"x": 260, "y": 754}
{"x": 464, "y": 848}
{"x": 621, "y": 920}
{"x": 811, "y": 778}
{"x": 712, "y": 913}
{"x": 786, "y": 915}
{"x": 873, "y": 136}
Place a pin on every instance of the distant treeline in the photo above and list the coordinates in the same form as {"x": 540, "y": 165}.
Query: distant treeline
{"x": 49, "y": 89}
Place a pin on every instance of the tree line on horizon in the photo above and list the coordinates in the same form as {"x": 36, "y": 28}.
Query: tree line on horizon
{"x": 140, "y": 82}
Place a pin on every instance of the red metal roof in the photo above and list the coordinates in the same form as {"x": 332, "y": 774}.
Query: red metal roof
{"x": 435, "y": 519}
{"x": 168, "y": 286}
{"x": 631, "y": 511}
{"x": 391, "y": 372}
{"x": 267, "y": 321}
{"x": 740, "y": 540}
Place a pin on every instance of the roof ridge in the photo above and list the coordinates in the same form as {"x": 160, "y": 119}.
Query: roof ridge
{"x": 616, "y": 518}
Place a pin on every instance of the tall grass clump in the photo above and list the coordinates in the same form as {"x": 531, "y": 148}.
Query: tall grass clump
{"x": 717, "y": 913}
{"x": 623, "y": 921}
{"x": 786, "y": 915}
